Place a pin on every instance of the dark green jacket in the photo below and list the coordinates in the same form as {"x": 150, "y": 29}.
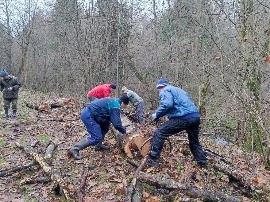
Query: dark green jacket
{"x": 13, "y": 82}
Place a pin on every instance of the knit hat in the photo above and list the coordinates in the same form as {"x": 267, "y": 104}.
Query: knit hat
{"x": 161, "y": 83}
{"x": 124, "y": 88}
{"x": 3, "y": 73}
{"x": 124, "y": 98}
{"x": 113, "y": 85}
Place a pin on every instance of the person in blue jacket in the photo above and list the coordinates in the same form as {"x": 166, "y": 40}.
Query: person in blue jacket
{"x": 97, "y": 117}
{"x": 183, "y": 115}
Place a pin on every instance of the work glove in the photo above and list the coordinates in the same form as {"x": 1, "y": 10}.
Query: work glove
{"x": 154, "y": 117}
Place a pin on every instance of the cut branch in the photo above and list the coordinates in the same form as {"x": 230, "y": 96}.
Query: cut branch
{"x": 36, "y": 180}
{"x": 17, "y": 169}
{"x": 49, "y": 151}
{"x": 133, "y": 184}
{"x": 54, "y": 175}
{"x": 80, "y": 189}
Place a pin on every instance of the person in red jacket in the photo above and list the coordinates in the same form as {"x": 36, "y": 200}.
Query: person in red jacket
{"x": 101, "y": 91}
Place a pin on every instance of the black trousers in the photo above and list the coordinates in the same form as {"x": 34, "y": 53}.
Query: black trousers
{"x": 176, "y": 125}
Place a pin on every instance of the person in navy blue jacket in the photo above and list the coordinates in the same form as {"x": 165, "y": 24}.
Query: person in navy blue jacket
{"x": 183, "y": 115}
{"x": 97, "y": 117}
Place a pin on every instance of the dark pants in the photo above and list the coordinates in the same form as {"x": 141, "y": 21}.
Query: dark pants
{"x": 12, "y": 101}
{"x": 174, "y": 126}
{"x": 139, "y": 112}
{"x": 96, "y": 130}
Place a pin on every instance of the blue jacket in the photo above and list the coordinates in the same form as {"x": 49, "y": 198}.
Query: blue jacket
{"x": 176, "y": 102}
{"x": 107, "y": 109}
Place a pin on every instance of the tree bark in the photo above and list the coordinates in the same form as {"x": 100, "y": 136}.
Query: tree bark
{"x": 49, "y": 151}
{"x": 62, "y": 102}
{"x": 246, "y": 178}
{"x": 133, "y": 140}
{"x": 17, "y": 169}
{"x": 36, "y": 180}
{"x": 130, "y": 189}
{"x": 80, "y": 189}
{"x": 194, "y": 192}
{"x": 54, "y": 174}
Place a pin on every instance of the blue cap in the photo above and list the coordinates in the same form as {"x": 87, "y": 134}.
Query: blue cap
{"x": 161, "y": 83}
{"x": 113, "y": 85}
{"x": 3, "y": 73}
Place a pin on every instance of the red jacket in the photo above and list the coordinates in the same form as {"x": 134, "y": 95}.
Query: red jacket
{"x": 101, "y": 91}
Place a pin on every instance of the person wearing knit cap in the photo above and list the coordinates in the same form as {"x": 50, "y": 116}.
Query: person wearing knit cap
{"x": 97, "y": 117}
{"x": 136, "y": 101}
{"x": 101, "y": 91}
{"x": 183, "y": 115}
{"x": 9, "y": 86}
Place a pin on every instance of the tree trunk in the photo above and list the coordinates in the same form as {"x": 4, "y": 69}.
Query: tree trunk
{"x": 133, "y": 140}
{"x": 189, "y": 190}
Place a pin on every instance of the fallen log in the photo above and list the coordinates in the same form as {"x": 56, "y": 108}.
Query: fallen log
{"x": 49, "y": 151}
{"x": 62, "y": 102}
{"x": 133, "y": 140}
{"x": 17, "y": 169}
{"x": 54, "y": 174}
{"x": 36, "y": 180}
{"x": 224, "y": 166}
{"x": 80, "y": 189}
{"x": 130, "y": 189}
{"x": 192, "y": 191}
{"x": 137, "y": 197}
{"x": 246, "y": 178}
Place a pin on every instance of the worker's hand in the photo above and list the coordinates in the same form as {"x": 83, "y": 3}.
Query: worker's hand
{"x": 10, "y": 88}
{"x": 154, "y": 116}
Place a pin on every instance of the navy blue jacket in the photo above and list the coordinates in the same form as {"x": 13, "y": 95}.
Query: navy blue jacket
{"x": 107, "y": 109}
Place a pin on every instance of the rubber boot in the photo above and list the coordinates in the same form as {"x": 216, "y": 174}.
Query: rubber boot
{"x": 74, "y": 151}
{"x": 6, "y": 114}
{"x": 14, "y": 113}
{"x": 152, "y": 162}
{"x": 101, "y": 147}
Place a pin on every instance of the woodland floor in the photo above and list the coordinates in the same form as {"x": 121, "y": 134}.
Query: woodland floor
{"x": 109, "y": 171}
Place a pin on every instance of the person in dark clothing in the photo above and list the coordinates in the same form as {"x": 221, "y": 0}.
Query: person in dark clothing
{"x": 9, "y": 85}
{"x": 182, "y": 115}
{"x": 97, "y": 117}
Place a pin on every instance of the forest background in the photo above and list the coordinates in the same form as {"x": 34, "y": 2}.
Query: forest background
{"x": 217, "y": 50}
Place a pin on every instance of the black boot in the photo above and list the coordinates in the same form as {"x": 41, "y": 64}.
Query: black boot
{"x": 6, "y": 114}
{"x": 74, "y": 151}
{"x": 152, "y": 162}
{"x": 14, "y": 114}
{"x": 101, "y": 147}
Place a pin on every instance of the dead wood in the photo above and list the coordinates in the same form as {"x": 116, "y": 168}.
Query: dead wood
{"x": 17, "y": 169}
{"x": 36, "y": 180}
{"x": 59, "y": 119}
{"x": 79, "y": 191}
{"x": 130, "y": 189}
{"x": 49, "y": 152}
{"x": 194, "y": 192}
{"x": 137, "y": 197}
{"x": 133, "y": 140}
{"x": 54, "y": 174}
{"x": 34, "y": 143}
{"x": 62, "y": 102}
{"x": 132, "y": 163}
{"x": 245, "y": 177}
